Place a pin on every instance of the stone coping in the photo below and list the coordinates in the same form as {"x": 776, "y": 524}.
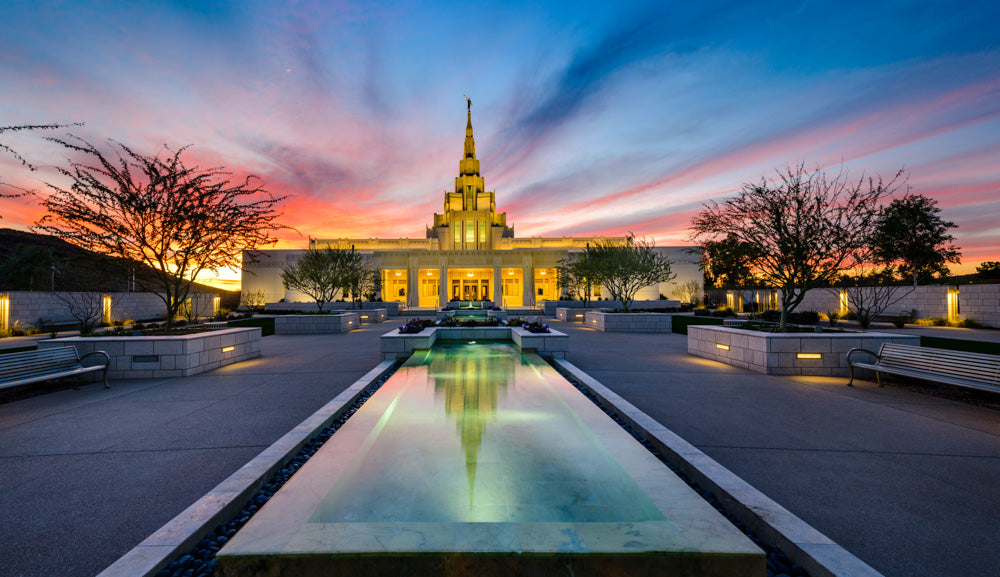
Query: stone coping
{"x": 815, "y": 354}
{"x": 155, "y": 356}
{"x": 765, "y": 518}
{"x": 396, "y": 345}
{"x": 229, "y": 497}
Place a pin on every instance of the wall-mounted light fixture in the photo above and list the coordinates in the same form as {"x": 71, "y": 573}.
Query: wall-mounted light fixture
{"x": 808, "y": 355}
{"x": 722, "y": 346}
{"x": 228, "y": 349}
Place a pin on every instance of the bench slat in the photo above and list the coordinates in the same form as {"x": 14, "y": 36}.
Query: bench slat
{"x": 44, "y": 364}
{"x": 976, "y": 370}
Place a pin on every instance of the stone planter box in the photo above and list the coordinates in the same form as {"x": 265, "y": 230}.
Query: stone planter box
{"x": 817, "y": 354}
{"x": 480, "y": 313}
{"x": 399, "y": 346}
{"x": 571, "y": 315}
{"x": 372, "y": 316}
{"x": 168, "y": 356}
{"x": 628, "y": 322}
{"x": 316, "y": 324}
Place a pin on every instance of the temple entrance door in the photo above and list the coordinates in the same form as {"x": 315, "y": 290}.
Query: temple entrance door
{"x": 470, "y": 284}
{"x": 394, "y": 285}
{"x": 513, "y": 287}
{"x": 429, "y": 295}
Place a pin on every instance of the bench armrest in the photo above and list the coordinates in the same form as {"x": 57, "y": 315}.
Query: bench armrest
{"x": 852, "y": 351}
{"x": 107, "y": 363}
{"x": 107, "y": 359}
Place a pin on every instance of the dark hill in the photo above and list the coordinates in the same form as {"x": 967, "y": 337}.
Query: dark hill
{"x": 27, "y": 261}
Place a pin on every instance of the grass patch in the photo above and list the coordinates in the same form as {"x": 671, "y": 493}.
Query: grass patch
{"x": 679, "y": 323}
{"x": 266, "y": 324}
{"x": 960, "y": 345}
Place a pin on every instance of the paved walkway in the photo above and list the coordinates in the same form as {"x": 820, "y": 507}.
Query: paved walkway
{"x": 906, "y": 481}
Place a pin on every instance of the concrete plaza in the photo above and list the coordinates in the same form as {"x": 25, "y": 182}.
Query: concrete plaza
{"x": 903, "y": 479}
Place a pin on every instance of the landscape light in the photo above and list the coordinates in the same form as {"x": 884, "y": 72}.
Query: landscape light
{"x": 228, "y": 349}
{"x": 809, "y": 355}
{"x": 722, "y": 346}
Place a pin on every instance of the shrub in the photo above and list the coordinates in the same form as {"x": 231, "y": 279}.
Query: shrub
{"x": 968, "y": 323}
{"x": 221, "y": 315}
{"x": 931, "y": 322}
{"x": 415, "y": 326}
{"x": 832, "y": 317}
{"x": 804, "y": 317}
{"x": 702, "y": 312}
{"x": 900, "y": 320}
{"x": 724, "y": 312}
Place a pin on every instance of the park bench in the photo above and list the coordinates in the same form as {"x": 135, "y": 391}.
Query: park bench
{"x": 959, "y": 368}
{"x": 46, "y": 364}
{"x": 50, "y": 323}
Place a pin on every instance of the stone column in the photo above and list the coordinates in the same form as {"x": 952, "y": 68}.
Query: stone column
{"x": 413, "y": 284}
{"x": 497, "y": 283}
{"x": 528, "y": 276}
{"x": 443, "y": 287}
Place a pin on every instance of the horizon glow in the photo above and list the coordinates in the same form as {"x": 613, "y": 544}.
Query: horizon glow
{"x": 590, "y": 119}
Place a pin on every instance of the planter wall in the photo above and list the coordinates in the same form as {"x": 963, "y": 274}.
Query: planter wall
{"x": 370, "y": 316}
{"x": 628, "y": 322}
{"x": 778, "y": 353}
{"x": 316, "y": 324}
{"x": 571, "y": 314}
{"x": 549, "y": 307}
{"x": 391, "y": 308}
{"x": 168, "y": 356}
{"x": 400, "y": 346}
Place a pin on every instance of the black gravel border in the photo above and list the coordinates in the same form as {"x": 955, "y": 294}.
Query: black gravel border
{"x": 778, "y": 564}
{"x": 200, "y": 560}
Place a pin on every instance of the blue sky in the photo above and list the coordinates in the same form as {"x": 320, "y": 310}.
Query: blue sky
{"x": 590, "y": 118}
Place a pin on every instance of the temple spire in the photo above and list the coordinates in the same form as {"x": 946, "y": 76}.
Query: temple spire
{"x": 469, "y": 166}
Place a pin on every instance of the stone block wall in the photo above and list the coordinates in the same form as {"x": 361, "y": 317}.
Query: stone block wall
{"x": 628, "y": 322}
{"x": 573, "y": 315}
{"x": 391, "y": 308}
{"x": 777, "y": 353}
{"x": 980, "y": 302}
{"x": 168, "y": 356}
{"x": 26, "y": 308}
{"x": 316, "y": 324}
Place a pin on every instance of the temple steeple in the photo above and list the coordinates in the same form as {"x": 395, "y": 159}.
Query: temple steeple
{"x": 470, "y": 220}
{"x": 469, "y": 166}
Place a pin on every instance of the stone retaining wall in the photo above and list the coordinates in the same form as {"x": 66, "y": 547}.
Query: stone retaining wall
{"x": 778, "y": 353}
{"x": 391, "y": 308}
{"x": 571, "y": 314}
{"x": 396, "y": 345}
{"x": 316, "y": 324}
{"x": 628, "y": 322}
{"x": 26, "y": 308}
{"x": 168, "y": 356}
{"x": 371, "y": 316}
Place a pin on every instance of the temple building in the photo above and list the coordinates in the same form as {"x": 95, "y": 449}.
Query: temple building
{"x": 470, "y": 253}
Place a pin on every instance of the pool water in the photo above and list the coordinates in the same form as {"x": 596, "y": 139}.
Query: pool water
{"x": 478, "y": 459}
{"x": 478, "y": 433}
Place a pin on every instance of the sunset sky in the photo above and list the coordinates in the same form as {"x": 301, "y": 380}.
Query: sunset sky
{"x": 590, "y": 117}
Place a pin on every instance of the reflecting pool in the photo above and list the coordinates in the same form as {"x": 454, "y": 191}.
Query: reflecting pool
{"x": 479, "y": 459}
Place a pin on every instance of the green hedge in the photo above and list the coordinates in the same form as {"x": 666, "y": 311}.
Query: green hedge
{"x": 266, "y": 324}
{"x": 960, "y": 345}
{"x": 679, "y": 323}
{"x": 19, "y": 349}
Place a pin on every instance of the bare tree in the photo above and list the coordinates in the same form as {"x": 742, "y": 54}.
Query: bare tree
{"x": 623, "y": 268}
{"x": 320, "y": 273}
{"x": 85, "y": 307}
{"x": 688, "y": 292}
{"x": 179, "y": 220}
{"x": 806, "y": 228}
{"x": 364, "y": 280}
{"x": 8, "y": 149}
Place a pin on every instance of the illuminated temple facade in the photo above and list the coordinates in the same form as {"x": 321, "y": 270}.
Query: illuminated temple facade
{"x": 469, "y": 253}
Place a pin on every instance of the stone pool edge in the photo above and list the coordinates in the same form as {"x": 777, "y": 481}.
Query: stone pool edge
{"x": 802, "y": 543}
{"x": 226, "y": 500}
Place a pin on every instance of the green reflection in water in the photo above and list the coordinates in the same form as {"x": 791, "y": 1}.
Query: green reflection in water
{"x": 471, "y": 380}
